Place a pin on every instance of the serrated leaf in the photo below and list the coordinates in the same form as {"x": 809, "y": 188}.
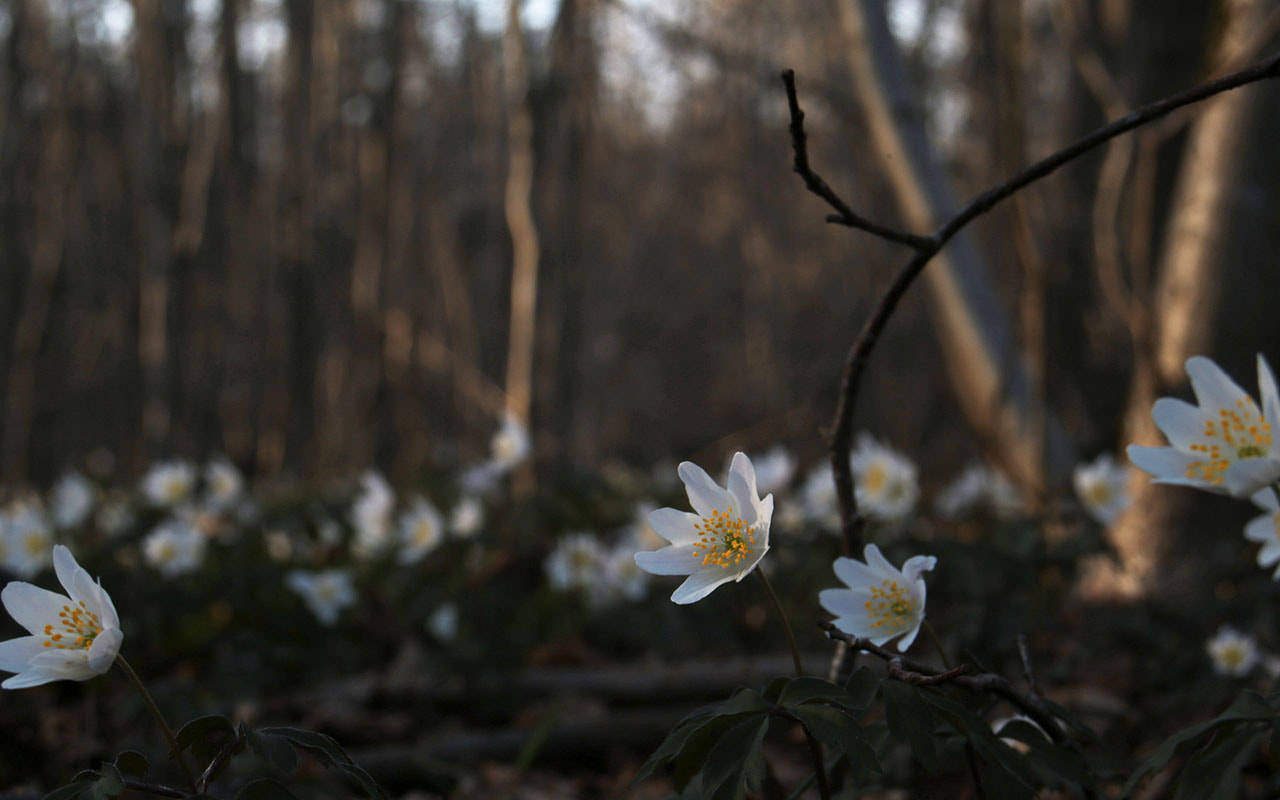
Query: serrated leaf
{"x": 204, "y": 736}
{"x": 693, "y": 755}
{"x": 275, "y": 750}
{"x": 1214, "y": 772}
{"x": 131, "y": 762}
{"x": 800, "y": 691}
{"x": 1249, "y": 706}
{"x": 71, "y": 791}
{"x": 671, "y": 745}
{"x": 837, "y": 730}
{"x": 729, "y": 760}
{"x": 910, "y": 721}
{"x": 110, "y": 785}
{"x": 264, "y": 789}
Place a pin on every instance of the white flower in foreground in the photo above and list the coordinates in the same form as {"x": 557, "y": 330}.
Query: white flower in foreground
{"x": 326, "y": 593}
{"x": 421, "y": 531}
{"x": 27, "y": 539}
{"x": 722, "y": 541}
{"x": 510, "y": 445}
{"x": 1265, "y": 529}
{"x": 467, "y": 517}
{"x": 882, "y": 601}
{"x": 1225, "y": 444}
{"x": 885, "y": 480}
{"x": 1101, "y": 487}
{"x": 73, "y": 636}
{"x": 223, "y": 484}
{"x": 774, "y": 469}
{"x": 169, "y": 483}
{"x": 71, "y": 499}
{"x": 1233, "y": 652}
{"x": 577, "y": 562}
{"x": 371, "y": 515}
{"x": 175, "y": 548}
{"x": 443, "y": 622}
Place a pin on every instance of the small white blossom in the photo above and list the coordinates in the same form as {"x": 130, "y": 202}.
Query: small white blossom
{"x": 1233, "y": 652}
{"x": 421, "y": 531}
{"x": 71, "y": 500}
{"x": 1265, "y": 530}
{"x": 882, "y": 601}
{"x": 723, "y": 540}
{"x": 223, "y": 484}
{"x": 115, "y": 515}
{"x": 1101, "y": 487}
{"x": 623, "y": 577}
{"x": 279, "y": 546}
{"x": 979, "y": 486}
{"x": 27, "y": 537}
{"x": 73, "y": 637}
{"x": 774, "y": 469}
{"x": 443, "y": 622}
{"x": 1225, "y": 444}
{"x": 885, "y": 480}
{"x": 371, "y": 515}
{"x": 326, "y": 593}
{"x": 479, "y": 479}
{"x": 577, "y": 562}
{"x": 467, "y": 517}
{"x": 175, "y": 548}
{"x": 818, "y": 502}
{"x": 169, "y": 483}
{"x": 510, "y": 445}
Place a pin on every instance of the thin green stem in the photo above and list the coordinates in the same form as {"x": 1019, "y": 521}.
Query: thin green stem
{"x": 155, "y": 712}
{"x": 782, "y": 615}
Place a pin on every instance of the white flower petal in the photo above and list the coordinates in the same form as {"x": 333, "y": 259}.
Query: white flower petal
{"x": 1269, "y": 553}
{"x": 1270, "y": 402}
{"x": 704, "y": 495}
{"x": 1182, "y": 423}
{"x": 1261, "y": 529}
{"x": 1265, "y": 499}
{"x": 1248, "y": 475}
{"x": 16, "y": 654}
{"x": 699, "y": 585}
{"x": 673, "y": 560}
{"x": 914, "y": 566}
{"x": 751, "y": 562}
{"x": 742, "y": 485}
{"x": 65, "y": 567}
{"x": 102, "y": 653}
{"x": 30, "y": 678}
{"x": 1213, "y": 387}
{"x": 841, "y": 602}
{"x": 905, "y": 642}
{"x": 674, "y": 525}
{"x": 876, "y": 560}
{"x": 855, "y": 573}
{"x": 32, "y": 607}
{"x": 1168, "y": 465}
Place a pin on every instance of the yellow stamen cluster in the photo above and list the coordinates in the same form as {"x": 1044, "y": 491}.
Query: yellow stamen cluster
{"x": 1236, "y": 434}
{"x": 891, "y": 606}
{"x": 1231, "y": 656}
{"x": 1099, "y": 493}
{"x": 76, "y": 629}
{"x": 424, "y": 533}
{"x": 874, "y": 478}
{"x": 724, "y": 539}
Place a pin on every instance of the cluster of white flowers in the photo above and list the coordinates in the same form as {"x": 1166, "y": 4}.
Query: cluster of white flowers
{"x": 196, "y": 510}
{"x": 979, "y": 487}
{"x": 605, "y": 575}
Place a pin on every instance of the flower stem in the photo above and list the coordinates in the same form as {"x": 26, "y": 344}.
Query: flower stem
{"x": 970, "y": 756}
{"x": 786, "y": 625}
{"x": 155, "y": 712}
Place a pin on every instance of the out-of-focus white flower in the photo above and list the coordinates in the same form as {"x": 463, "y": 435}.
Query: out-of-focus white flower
{"x": 882, "y": 602}
{"x": 640, "y": 533}
{"x": 467, "y": 517}
{"x": 479, "y": 479}
{"x": 28, "y": 538}
{"x": 723, "y": 540}
{"x": 223, "y": 484}
{"x": 421, "y": 531}
{"x": 577, "y": 562}
{"x": 818, "y": 502}
{"x": 623, "y": 579}
{"x": 1265, "y": 530}
{"x": 279, "y": 546}
{"x": 1006, "y": 500}
{"x": 1233, "y": 652}
{"x": 73, "y": 636}
{"x": 329, "y": 532}
{"x": 115, "y": 515}
{"x": 774, "y": 469}
{"x": 510, "y": 445}
{"x": 885, "y": 480}
{"x": 326, "y": 592}
{"x": 1100, "y": 486}
{"x": 71, "y": 499}
{"x": 1226, "y": 444}
{"x": 979, "y": 486}
{"x": 169, "y": 483}
{"x": 371, "y": 515}
{"x": 443, "y": 622}
{"x": 175, "y": 548}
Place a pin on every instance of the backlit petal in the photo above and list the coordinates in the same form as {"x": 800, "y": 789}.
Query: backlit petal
{"x": 1213, "y": 387}
{"x": 16, "y": 654}
{"x": 102, "y": 653}
{"x": 1182, "y": 423}
{"x": 704, "y": 495}
{"x": 674, "y": 525}
{"x": 674, "y": 560}
{"x": 1248, "y": 475}
{"x": 32, "y": 607}
{"x": 699, "y": 585}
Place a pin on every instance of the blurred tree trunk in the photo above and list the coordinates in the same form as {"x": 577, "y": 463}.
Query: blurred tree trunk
{"x": 990, "y": 377}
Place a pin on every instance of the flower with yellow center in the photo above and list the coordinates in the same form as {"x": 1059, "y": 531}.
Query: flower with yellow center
{"x": 73, "y": 636}
{"x": 882, "y": 602}
{"x": 169, "y": 483}
{"x": 1102, "y": 488}
{"x": 326, "y": 592}
{"x": 722, "y": 540}
{"x": 1226, "y": 444}
{"x": 884, "y": 479}
{"x": 1265, "y": 530}
{"x": 421, "y": 531}
{"x": 1233, "y": 652}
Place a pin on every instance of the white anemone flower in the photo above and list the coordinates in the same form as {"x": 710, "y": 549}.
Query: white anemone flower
{"x": 1226, "y": 444}
{"x": 774, "y": 469}
{"x": 73, "y": 636}
{"x": 169, "y": 483}
{"x": 326, "y": 593}
{"x": 467, "y": 517}
{"x": 510, "y": 445}
{"x": 1265, "y": 530}
{"x": 371, "y": 515}
{"x": 577, "y": 562}
{"x": 723, "y": 540}
{"x": 175, "y": 547}
{"x": 885, "y": 480}
{"x": 1101, "y": 487}
{"x": 882, "y": 601}
{"x": 623, "y": 580}
{"x": 443, "y": 622}
{"x": 28, "y": 539}
{"x": 223, "y": 484}
{"x": 421, "y": 531}
{"x": 818, "y": 502}
{"x": 1233, "y": 652}
{"x": 71, "y": 499}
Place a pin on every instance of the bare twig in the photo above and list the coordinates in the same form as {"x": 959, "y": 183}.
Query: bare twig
{"x": 926, "y": 248}
{"x": 1028, "y": 671}
{"x": 898, "y": 672}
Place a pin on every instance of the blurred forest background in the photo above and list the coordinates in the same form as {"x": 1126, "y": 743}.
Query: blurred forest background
{"x": 292, "y": 231}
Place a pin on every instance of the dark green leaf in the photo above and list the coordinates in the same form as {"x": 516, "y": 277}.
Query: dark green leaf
{"x": 815, "y": 690}
{"x": 730, "y": 759}
{"x": 1249, "y": 706}
{"x": 984, "y": 741}
{"x": 837, "y": 730}
{"x": 275, "y": 750}
{"x": 131, "y": 762}
{"x": 264, "y": 789}
{"x": 910, "y": 721}
{"x": 743, "y": 701}
{"x": 862, "y": 686}
{"x": 1214, "y": 772}
{"x": 110, "y": 785}
{"x": 1060, "y": 765}
{"x": 671, "y": 745}
{"x": 697, "y": 747}
{"x": 205, "y": 736}
{"x": 774, "y": 689}
{"x": 71, "y": 791}
{"x": 327, "y": 750}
